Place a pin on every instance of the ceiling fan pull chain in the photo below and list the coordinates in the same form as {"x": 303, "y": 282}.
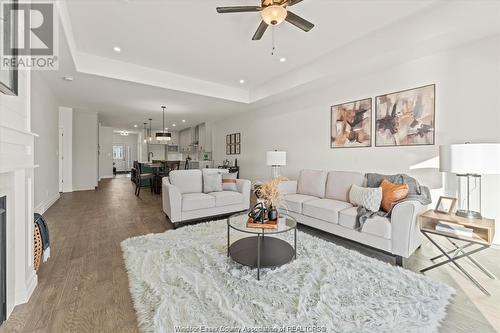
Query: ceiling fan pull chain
{"x": 273, "y": 41}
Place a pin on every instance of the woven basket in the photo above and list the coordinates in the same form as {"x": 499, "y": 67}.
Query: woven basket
{"x": 37, "y": 258}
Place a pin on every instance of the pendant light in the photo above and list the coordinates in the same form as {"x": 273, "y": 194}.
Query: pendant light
{"x": 163, "y": 136}
{"x": 150, "y": 131}
{"x": 145, "y": 132}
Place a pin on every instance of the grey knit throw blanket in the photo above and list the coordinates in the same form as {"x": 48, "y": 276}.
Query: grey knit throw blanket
{"x": 416, "y": 192}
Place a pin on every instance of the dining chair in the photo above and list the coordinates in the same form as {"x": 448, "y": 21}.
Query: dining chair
{"x": 144, "y": 178}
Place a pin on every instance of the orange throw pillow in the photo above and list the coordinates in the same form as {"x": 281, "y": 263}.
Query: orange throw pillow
{"x": 392, "y": 193}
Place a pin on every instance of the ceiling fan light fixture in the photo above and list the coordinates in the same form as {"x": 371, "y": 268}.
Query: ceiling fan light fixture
{"x": 274, "y": 14}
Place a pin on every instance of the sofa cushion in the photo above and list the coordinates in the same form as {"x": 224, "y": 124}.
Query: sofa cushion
{"x": 378, "y": 225}
{"x": 187, "y": 181}
{"x": 293, "y": 202}
{"x": 212, "y": 182}
{"x": 324, "y": 209}
{"x": 368, "y": 197}
{"x": 211, "y": 171}
{"x": 229, "y": 181}
{"x": 339, "y": 184}
{"x": 226, "y": 198}
{"x": 194, "y": 201}
{"x": 312, "y": 182}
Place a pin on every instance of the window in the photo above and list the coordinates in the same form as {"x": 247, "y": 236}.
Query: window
{"x": 118, "y": 152}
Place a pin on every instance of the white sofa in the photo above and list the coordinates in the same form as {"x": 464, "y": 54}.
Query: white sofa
{"x": 184, "y": 200}
{"x": 321, "y": 200}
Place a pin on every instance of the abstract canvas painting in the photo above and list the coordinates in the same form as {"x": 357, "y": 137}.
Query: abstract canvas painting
{"x": 405, "y": 118}
{"x": 351, "y": 124}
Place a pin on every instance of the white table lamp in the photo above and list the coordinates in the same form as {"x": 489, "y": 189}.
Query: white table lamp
{"x": 276, "y": 159}
{"x": 469, "y": 161}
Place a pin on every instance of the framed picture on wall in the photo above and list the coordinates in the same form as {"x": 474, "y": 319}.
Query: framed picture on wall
{"x": 238, "y": 137}
{"x": 406, "y": 118}
{"x": 228, "y": 139}
{"x": 233, "y": 149}
{"x": 238, "y": 149}
{"x": 228, "y": 149}
{"x": 351, "y": 124}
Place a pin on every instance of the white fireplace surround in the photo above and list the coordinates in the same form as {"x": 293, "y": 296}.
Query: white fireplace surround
{"x": 16, "y": 183}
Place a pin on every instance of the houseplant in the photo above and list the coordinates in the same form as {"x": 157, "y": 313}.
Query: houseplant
{"x": 270, "y": 193}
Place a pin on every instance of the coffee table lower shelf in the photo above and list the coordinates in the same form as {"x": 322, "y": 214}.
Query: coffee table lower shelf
{"x": 261, "y": 252}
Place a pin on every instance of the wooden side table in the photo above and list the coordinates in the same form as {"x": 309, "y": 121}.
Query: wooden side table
{"x": 483, "y": 232}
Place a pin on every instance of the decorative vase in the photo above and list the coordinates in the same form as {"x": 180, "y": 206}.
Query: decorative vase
{"x": 272, "y": 214}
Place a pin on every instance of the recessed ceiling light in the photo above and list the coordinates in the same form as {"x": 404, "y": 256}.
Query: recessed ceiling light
{"x": 282, "y": 59}
{"x": 242, "y": 81}
{"x": 68, "y": 78}
{"x": 117, "y": 49}
{"x": 166, "y": 128}
{"x": 135, "y": 125}
{"x": 173, "y": 125}
{"x": 183, "y": 120}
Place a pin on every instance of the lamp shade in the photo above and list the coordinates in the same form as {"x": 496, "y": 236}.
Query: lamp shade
{"x": 470, "y": 158}
{"x": 276, "y": 157}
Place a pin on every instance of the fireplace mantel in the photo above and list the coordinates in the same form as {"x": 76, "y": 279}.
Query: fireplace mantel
{"x": 16, "y": 183}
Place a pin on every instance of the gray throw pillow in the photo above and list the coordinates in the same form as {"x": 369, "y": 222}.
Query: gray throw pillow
{"x": 229, "y": 182}
{"x": 212, "y": 183}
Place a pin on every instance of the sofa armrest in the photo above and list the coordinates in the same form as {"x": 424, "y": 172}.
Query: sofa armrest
{"x": 288, "y": 187}
{"x": 406, "y": 236}
{"x": 171, "y": 200}
{"x": 244, "y": 187}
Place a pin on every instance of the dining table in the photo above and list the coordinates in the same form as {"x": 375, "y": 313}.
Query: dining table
{"x": 156, "y": 167}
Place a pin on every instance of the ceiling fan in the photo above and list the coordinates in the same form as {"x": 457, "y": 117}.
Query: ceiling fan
{"x": 273, "y": 12}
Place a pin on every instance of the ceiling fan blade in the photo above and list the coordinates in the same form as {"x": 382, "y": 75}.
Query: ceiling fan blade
{"x": 238, "y": 9}
{"x": 293, "y": 2}
{"x": 299, "y": 22}
{"x": 260, "y": 31}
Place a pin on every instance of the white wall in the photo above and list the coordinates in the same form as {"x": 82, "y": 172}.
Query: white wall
{"x": 44, "y": 122}
{"x": 106, "y": 152}
{"x": 131, "y": 141}
{"x": 85, "y": 160}
{"x": 467, "y": 82}
{"x": 66, "y": 151}
{"x": 158, "y": 151}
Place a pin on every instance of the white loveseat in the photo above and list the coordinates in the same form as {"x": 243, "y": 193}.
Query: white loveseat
{"x": 321, "y": 200}
{"x": 184, "y": 200}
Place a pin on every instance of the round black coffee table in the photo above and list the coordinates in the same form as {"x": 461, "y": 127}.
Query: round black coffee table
{"x": 261, "y": 250}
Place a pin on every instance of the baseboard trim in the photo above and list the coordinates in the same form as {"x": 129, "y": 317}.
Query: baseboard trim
{"x": 31, "y": 285}
{"x": 105, "y": 177}
{"x": 84, "y": 189}
{"x": 45, "y": 205}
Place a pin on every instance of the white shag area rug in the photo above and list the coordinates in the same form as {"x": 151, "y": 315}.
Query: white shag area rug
{"x": 182, "y": 281}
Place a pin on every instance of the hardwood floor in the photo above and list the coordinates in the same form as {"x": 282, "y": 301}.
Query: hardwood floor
{"x": 84, "y": 287}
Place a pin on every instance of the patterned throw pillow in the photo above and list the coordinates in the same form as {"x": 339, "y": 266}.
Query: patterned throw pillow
{"x": 229, "y": 182}
{"x": 367, "y": 197}
{"x": 392, "y": 193}
{"x": 212, "y": 183}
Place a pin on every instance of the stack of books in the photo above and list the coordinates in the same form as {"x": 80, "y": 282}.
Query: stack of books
{"x": 455, "y": 229}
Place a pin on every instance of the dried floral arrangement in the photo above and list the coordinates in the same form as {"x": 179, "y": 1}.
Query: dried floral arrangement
{"x": 270, "y": 193}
